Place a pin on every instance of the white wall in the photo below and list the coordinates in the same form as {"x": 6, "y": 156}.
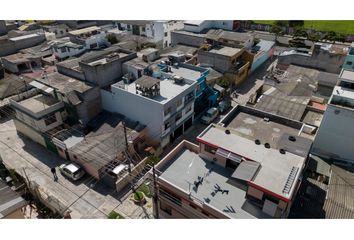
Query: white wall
{"x": 135, "y": 107}
{"x": 98, "y": 38}
{"x": 69, "y": 53}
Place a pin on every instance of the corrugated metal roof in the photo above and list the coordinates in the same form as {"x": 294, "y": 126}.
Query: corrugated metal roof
{"x": 339, "y": 202}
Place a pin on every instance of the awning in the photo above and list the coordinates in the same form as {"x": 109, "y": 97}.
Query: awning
{"x": 227, "y": 154}
{"x": 246, "y": 170}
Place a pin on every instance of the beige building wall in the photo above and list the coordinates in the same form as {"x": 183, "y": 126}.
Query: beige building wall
{"x": 29, "y": 132}
{"x": 17, "y": 214}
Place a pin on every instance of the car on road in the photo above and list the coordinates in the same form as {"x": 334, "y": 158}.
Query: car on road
{"x": 210, "y": 116}
{"x": 224, "y": 106}
{"x": 72, "y": 171}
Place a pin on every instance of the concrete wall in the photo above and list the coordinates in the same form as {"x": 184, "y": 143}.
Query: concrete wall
{"x": 218, "y": 62}
{"x": 39, "y": 124}
{"x": 334, "y": 138}
{"x": 322, "y": 60}
{"x": 29, "y": 132}
{"x": 146, "y": 111}
{"x": 91, "y": 105}
{"x": 104, "y": 74}
{"x": 29, "y": 42}
{"x": 71, "y": 73}
{"x": 186, "y": 39}
{"x": 3, "y": 29}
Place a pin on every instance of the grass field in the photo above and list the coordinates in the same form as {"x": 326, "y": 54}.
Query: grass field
{"x": 339, "y": 26}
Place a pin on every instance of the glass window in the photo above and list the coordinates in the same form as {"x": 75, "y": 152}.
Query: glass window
{"x": 179, "y": 103}
{"x": 167, "y": 111}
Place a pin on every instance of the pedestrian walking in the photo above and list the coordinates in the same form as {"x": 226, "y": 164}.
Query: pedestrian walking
{"x": 53, "y": 170}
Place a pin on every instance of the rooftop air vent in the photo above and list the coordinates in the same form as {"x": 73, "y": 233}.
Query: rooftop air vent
{"x": 282, "y": 151}
{"x": 267, "y": 145}
{"x": 266, "y": 119}
{"x": 257, "y": 141}
{"x": 292, "y": 138}
{"x": 227, "y": 131}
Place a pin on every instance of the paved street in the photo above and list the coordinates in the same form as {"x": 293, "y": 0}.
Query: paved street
{"x": 86, "y": 198}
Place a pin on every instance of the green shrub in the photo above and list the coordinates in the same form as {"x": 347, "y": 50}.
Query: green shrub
{"x": 138, "y": 196}
{"x": 115, "y": 215}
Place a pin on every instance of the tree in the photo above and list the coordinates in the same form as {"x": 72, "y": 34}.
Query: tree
{"x": 281, "y": 23}
{"x": 331, "y": 36}
{"x": 314, "y": 37}
{"x": 300, "y": 32}
{"x": 112, "y": 38}
{"x": 277, "y": 30}
{"x": 296, "y": 23}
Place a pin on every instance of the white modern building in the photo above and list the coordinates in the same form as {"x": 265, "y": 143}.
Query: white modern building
{"x": 164, "y": 103}
{"x": 198, "y": 26}
{"x": 67, "y": 49}
{"x": 91, "y": 37}
{"x": 334, "y": 139}
{"x": 159, "y": 31}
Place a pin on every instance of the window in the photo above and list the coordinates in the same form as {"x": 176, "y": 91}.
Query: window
{"x": 63, "y": 49}
{"x": 143, "y": 29}
{"x": 167, "y": 111}
{"x": 61, "y": 32}
{"x": 67, "y": 30}
{"x": 349, "y": 62}
{"x": 179, "y": 103}
{"x": 128, "y": 26}
{"x": 167, "y": 125}
{"x": 165, "y": 34}
{"x": 224, "y": 23}
{"x": 94, "y": 45}
{"x": 178, "y": 116}
{"x": 50, "y": 119}
{"x": 210, "y": 149}
{"x": 188, "y": 109}
{"x": 75, "y": 157}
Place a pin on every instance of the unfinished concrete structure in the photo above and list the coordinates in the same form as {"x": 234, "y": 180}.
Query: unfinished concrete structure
{"x": 21, "y": 62}
{"x": 11, "y": 44}
{"x": 37, "y": 112}
{"x": 82, "y": 101}
{"x": 322, "y": 56}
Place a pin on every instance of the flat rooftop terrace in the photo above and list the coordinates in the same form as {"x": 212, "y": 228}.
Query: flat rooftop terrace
{"x": 168, "y": 89}
{"x": 185, "y": 168}
{"x": 38, "y": 102}
{"x": 254, "y": 127}
{"x": 187, "y": 73}
{"x": 276, "y": 167}
{"x": 226, "y": 51}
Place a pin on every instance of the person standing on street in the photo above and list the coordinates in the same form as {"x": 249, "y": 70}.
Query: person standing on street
{"x": 53, "y": 170}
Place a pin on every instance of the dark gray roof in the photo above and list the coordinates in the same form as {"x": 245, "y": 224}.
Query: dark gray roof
{"x": 147, "y": 81}
{"x": 301, "y": 146}
{"x": 327, "y": 79}
{"x": 281, "y": 106}
{"x": 101, "y": 146}
{"x": 9, "y": 200}
{"x": 339, "y": 202}
{"x": 246, "y": 170}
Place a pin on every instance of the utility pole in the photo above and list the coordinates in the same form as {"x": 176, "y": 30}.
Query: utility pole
{"x": 155, "y": 193}
{"x": 128, "y": 157}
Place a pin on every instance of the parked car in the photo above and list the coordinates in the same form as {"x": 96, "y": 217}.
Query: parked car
{"x": 210, "y": 115}
{"x": 72, "y": 171}
{"x": 224, "y": 106}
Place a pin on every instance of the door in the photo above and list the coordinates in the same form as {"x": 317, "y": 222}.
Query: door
{"x": 231, "y": 164}
{"x": 188, "y": 124}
